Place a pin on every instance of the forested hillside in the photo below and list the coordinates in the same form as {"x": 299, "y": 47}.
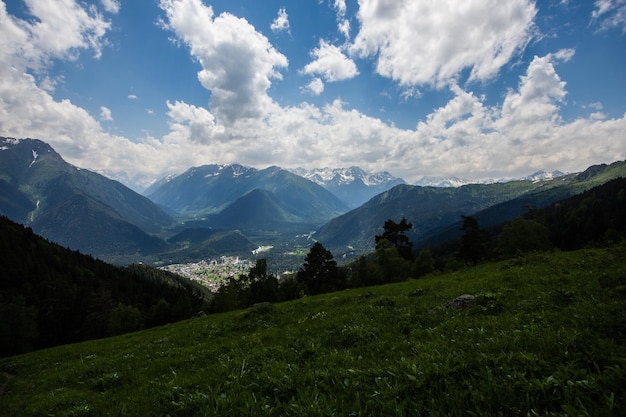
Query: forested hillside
{"x": 50, "y": 295}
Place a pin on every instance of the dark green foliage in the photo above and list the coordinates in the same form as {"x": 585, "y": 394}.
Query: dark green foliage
{"x": 124, "y": 319}
{"x": 521, "y": 236}
{"x": 395, "y": 234}
{"x": 258, "y": 286}
{"x": 472, "y": 249}
{"x": 424, "y": 263}
{"x": 320, "y": 273}
{"x": 365, "y": 272}
{"x": 71, "y": 297}
{"x": 594, "y": 217}
{"x": 18, "y": 326}
{"x": 393, "y": 267}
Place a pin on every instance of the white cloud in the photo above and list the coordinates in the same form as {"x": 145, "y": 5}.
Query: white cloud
{"x": 463, "y": 137}
{"x": 105, "y": 114}
{"x": 238, "y": 62}
{"x": 59, "y": 30}
{"x": 132, "y": 97}
{"x": 331, "y": 63}
{"x": 340, "y": 7}
{"x": 610, "y": 14}
{"x": 343, "y": 24}
{"x": 192, "y": 123}
{"x": 418, "y": 42}
{"x": 315, "y": 87}
{"x": 63, "y": 28}
{"x": 111, "y": 6}
{"x": 344, "y": 27}
{"x": 281, "y": 22}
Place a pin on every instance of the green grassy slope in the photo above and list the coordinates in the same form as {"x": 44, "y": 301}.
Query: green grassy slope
{"x": 546, "y": 336}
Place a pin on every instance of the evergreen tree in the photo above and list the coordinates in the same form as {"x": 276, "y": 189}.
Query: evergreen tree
{"x": 394, "y": 233}
{"x": 320, "y": 273}
{"x": 473, "y": 248}
{"x": 393, "y": 267}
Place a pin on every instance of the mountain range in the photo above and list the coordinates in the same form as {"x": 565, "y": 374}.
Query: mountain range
{"x": 435, "y": 212}
{"x": 225, "y": 209}
{"x": 353, "y": 185}
{"x": 235, "y": 196}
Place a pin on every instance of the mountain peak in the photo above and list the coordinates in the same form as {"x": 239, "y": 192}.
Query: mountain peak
{"x": 354, "y": 185}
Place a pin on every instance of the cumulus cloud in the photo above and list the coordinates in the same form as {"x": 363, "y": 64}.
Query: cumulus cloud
{"x": 58, "y": 31}
{"x": 463, "y": 137}
{"x": 315, "y": 87}
{"x": 105, "y": 114}
{"x": 238, "y": 63}
{"x": 281, "y": 22}
{"x": 610, "y": 14}
{"x": 418, "y": 42}
{"x": 331, "y": 63}
{"x": 192, "y": 123}
{"x": 132, "y": 97}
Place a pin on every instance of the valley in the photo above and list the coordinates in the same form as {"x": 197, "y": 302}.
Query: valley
{"x": 231, "y": 210}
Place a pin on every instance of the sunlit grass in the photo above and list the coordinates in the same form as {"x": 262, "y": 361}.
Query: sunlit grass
{"x": 545, "y": 336}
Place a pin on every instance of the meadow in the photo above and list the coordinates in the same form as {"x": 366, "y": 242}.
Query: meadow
{"x": 544, "y": 335}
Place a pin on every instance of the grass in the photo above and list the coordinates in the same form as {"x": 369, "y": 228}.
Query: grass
{"x": 545, "y": 336}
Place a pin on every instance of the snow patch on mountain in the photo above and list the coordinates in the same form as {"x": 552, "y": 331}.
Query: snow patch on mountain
{"x": 543, "y": 176}
{"x": 7, "y": 143}
{"x": 344, "y": 176}
{"x": 35, "y": 155}
{"x": 433, "y": 181}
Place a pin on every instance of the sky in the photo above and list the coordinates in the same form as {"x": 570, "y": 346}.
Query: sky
{"x": 475, "y": 89}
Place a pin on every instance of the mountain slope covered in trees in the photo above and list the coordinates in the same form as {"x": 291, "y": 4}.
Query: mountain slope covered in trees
{"x": 438, "y": 210}
{"x": 50, "y": 295}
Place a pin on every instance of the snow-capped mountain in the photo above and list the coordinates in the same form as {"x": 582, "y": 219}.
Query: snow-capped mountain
{"x": 431, "y": 181}
{"x": 544, "y": 175}
{"x": 442, "y": 182}
{"x": 353, "y": 185}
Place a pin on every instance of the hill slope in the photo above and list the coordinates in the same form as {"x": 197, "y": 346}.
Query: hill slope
{"x": 72, "y": 206}
{"x": 50, "y": 295}
{"x": 544, "y": 335}
{"x": 433, "y": 210}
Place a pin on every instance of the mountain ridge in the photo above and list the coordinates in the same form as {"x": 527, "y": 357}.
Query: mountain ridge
{"x": 205, "y": 191}
{"x": 433, "y": 208}
{"x": 353, "y": 185}
{"x": 72, "y": 206}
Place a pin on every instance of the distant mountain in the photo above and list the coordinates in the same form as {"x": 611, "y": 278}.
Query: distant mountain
{"x": 432, "y": 181}
{"x": 429, "y": 181}
{"x": 239, "y": 195}
{"x": 74, "y": 207}
{"x": 550, "y": 192}
{"x": 353, "y": 185}
{"x": 544, "y": 175}
{"x": 431, "y": 209}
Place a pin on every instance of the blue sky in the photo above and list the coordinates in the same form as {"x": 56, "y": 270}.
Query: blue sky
{"x": 469, "y": 88}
